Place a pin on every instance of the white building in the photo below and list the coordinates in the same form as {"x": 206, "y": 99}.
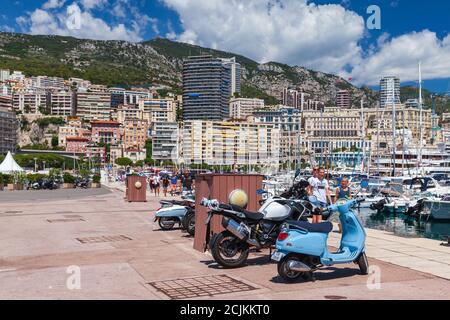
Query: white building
{"x": 389, "y": 91}
{"x": 159, "y": 110}
{"x": 241, "y": 108}
{"x": 229, "y": 143}
{"x": 165, "y": 141}
{"x": 62, "y": 103}
{"x": 29, "y": 101}
{"x": 4, "y": 75}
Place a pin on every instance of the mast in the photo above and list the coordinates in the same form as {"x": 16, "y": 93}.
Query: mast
{"x": 421, "y": 116}
{"x": 362, "y": 135}
{"x": 394, "y": 133}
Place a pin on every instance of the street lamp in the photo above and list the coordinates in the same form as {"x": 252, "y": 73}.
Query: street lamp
{"x": 44, "y": 164}
{"x": 35, "y": 165}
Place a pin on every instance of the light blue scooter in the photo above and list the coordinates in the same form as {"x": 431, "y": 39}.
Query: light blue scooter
{"x": 301, "y": 247}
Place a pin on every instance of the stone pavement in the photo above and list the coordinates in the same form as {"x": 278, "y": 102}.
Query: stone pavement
{"x": 42, "y": 240}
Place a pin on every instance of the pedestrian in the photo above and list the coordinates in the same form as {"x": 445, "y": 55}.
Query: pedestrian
{"x": 165, "y": 184}
{"x": 321, "y": 190}
{"x": 173, "y": 185}
{"x": 155, "y": 184}
{"x": 343, "y": 192}
{"x": 312, "y": 179}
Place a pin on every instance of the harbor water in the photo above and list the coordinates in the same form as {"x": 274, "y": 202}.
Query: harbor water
{"x": 405, "y": 226}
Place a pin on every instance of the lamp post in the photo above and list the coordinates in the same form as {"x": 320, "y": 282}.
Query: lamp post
{"x": 35, "y": 165}
{"x": 44, "y": 164}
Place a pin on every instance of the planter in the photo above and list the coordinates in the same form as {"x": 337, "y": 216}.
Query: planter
{"x": 68, "y": 186}
{"x": 15, "y": 186}
{"x": 96, "y": 185}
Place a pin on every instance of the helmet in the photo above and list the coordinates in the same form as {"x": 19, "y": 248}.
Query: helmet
{"x": 238, "y": 197}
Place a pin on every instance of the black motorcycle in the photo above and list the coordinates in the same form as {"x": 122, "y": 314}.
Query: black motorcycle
{"x": 245, "y": 229}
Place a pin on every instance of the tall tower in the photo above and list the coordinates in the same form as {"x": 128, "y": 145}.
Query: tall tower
{"x": 207, "y": 88}
{"x": 389, "y": 91}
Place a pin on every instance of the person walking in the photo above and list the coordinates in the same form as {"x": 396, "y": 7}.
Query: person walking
{"x": 165, "y": 184}
{"x": 173, "y": 185}
{"x": 155, "y": 183}
{"x": 321, "y": 190}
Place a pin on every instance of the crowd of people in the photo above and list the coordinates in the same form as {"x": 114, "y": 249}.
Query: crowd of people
{"x": 173, "y": 184}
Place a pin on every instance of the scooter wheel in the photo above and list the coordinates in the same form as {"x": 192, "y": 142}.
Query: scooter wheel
{"x": 287, "y": 274}
{"x": 166, "y": 223}
{"x": 190, "y": 224}
{"x": 229, "y": 251}
{"x": 363, "y": 263}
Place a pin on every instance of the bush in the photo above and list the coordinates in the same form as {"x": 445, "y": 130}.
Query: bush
{"x": 7, "y": 178}
{"x": 68, "y": 178}
{"x": 35, "y": 177}
{"x": 96, "y": 178}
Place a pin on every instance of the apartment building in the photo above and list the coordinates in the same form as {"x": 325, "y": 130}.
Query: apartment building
{"x": 106, "y": 131}
{"x": 8, "y": 131}
{"x": 159, "y": 110}
{"x": 29, "y": 100}
{"x": 343, "y": 100}
{"x": 207, "y": 83}
{"x": 135, "y": 133}
{"x": 93, "y": 105}
{"x": 229, "y": 143}
{"x": 128, "y": 112}
{"x": 165, "y": 141}
{"x": 241, "y": 108}
{"x": 62, "y": 103}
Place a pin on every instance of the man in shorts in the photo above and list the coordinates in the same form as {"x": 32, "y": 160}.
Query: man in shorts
{"x": 321, "y": 190}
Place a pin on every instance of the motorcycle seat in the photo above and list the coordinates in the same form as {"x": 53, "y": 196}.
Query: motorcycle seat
{"x": 248, "y": 214}
{"x": 324, "y": 227}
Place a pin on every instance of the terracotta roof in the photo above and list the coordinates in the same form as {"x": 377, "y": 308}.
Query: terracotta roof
{"x": 105, "y": 122}
{"x": 77, "y": 139}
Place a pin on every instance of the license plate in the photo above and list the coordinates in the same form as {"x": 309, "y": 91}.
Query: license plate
{"x": 277, "y": 256}
{"x": 208, "y": 219}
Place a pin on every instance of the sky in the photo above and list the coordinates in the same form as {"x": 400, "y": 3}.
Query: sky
{"x": 360, "y": 40}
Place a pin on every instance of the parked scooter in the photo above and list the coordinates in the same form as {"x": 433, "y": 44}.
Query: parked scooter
{"x": 301, "y": 247}
{"x": 177, "y": 211}
{"x": 81, "y": 183}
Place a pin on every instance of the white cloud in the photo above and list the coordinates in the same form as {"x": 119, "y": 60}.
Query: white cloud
{"x": 400, "y": 56}
{"x": 88, "y": 26}
{"x": 53, "y": 4}
{"x": 323, "y": 37}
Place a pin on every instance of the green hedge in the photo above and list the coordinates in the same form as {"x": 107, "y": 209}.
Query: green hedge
{"x": 68, "y": 178}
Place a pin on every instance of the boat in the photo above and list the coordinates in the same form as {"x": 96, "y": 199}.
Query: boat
{"x": 437, "y": 208}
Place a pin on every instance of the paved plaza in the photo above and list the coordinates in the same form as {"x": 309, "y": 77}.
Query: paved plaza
{"x": 47, "y": 237}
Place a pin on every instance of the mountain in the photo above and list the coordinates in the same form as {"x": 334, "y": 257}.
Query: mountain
{"x": 442, "y": 101}
{"x": 159, "y": 61}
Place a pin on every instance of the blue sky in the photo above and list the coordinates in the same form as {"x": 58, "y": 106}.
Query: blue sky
{"x": 329, "y": 36}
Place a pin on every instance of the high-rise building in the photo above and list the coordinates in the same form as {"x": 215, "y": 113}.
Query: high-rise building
{"x": 343, "y": 99}
{"x": 93, "y": 105}
{"x": 291, "y": 98}
{"x": 165, "y": 137}
{"x": 235, "y": 74}
{"x": 45, "y": 82}
{"x": 389, "y": 91}
{"x": 8, "y": 131}
{"x": 207, "y": 87}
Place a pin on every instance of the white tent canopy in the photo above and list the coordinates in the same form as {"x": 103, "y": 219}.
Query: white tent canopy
{"x": 9, "y": 165}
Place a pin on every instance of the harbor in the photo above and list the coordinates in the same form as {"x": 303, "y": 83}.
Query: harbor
{"x": 41, "y": 240}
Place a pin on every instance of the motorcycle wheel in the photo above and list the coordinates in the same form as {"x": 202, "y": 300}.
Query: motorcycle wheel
{"x": 165, "y": 223}
{"x": 225, "y": 247}
{"x": 190, "y": 224}
{"x": 285, "y": 273}
{"x": 363, "y": 263}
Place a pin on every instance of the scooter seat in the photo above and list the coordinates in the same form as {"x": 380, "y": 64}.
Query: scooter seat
{"x": 256, "y": 216}
{"x": 324, "y": 227}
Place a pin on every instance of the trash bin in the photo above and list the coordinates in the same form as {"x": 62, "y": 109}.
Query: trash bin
{"x": 136, "y": 189}
{"x": 219, "y": 186}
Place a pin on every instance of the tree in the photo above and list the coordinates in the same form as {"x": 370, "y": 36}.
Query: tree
{"x": 55, "y": 142}
{"x": 148, "y": 148}
{"x": 124, "y": 162}
{"x": 139, "y": 163}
